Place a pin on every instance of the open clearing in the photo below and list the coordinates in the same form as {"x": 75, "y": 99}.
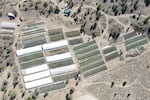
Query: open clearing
{"x": 85, "y": 97}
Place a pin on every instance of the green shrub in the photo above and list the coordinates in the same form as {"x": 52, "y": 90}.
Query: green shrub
{"x": 72, "y": 90}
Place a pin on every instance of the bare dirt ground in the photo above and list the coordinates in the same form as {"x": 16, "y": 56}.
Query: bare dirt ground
{"x": 86, "y": 97}
{"x": 124, "y": 80}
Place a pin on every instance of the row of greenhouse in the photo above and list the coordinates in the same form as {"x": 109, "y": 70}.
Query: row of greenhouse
{"x": 39, "y": 70}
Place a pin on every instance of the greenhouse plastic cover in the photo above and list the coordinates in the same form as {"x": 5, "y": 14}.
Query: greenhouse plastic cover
{"x": 36, "y": 76}
{"x": 58, "y": 57}
{"x": 39, "y": 82}
{"x": 64, "y": 69}
{"x": 34, "y": 69}
{"x": 8, "y": 25}
{"x": 55, "y": 45}
{"x": 28, "y": 50}
{"x": 6, "y": 31}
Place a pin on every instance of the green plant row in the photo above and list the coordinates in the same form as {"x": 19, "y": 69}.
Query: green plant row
{"x": 90, "y": 64}
{"x": 88, "y": 54}
{"x": 33, "y": 27}
{"x": 88, "y": 67}
{"x": 63, "y": 77}
{"x": 28, "y": 37}
{"x": 52, "y": 87}
{"x": 75, "y": 41}
{"x": 34, "y": 39}
{"x": 35, "y": 43}
{"x": 55, "y": 31}
{"x": 61, "y": 63}
{"x": 111, "y": 56}
{"x": 84, "y": 45}
{"x": 94, "y": 71}
{"x": 134, "y": 39}
{"x": 33, "y": 63}
{"x": 58, "y": 50}
{"x": 130, "y": 35}
{"x": 89, "y": 60}
{"x": 56, "y": 37}
{"x": 72, "y": 33}
{"x": 30, "y": 57}
{"x": 34, "y": 32}
{"x": 87, "y": 49}
{"x": 136, "y": 44}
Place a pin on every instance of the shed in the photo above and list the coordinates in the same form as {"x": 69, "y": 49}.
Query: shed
{"x": 63, "y": 70}
{"x": 58, "y": 57}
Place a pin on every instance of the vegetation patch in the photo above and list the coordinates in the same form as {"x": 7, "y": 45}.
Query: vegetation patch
{"x": 56, "y": 37}
{"x": 72, "y": 33}
{"x": 136, "y": 44}
{"x": 75, "y": 41}
{"x": 112, "y": 55}
{"x": 87, "y": 49}
{"x": 135, "y": 41}
{"x": 95, "y": 70}
{"x": 30, "y": 37}
{"x": 35, "y": 43}
{"x": 84, "y": 45}
{"x": 30, "y": 57}
{"x": 63, "y": 77}
{"x": 61, "y": 63}
{"x": 88, "y": 67}
{"x": 55, "y": 31}
{"x": 34, "y": 32}
{"x": 88, "y": 54}
{"x": 52, "y": 87}
{"x": 33, "y": 63}
{"x": 89, "y": 58}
